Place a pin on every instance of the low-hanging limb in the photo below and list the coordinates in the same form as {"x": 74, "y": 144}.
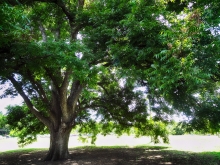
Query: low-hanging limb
{"x": 18, "y": 87}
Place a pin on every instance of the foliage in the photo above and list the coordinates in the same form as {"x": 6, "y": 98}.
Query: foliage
{"x": 204, "y": 117}
{"x": 3, "y": 121}
{"x": 176, "y": 128}
{"x": 83, "y": 61}
{"x": 23, "y": 124}
{"x": 174, "y": 52}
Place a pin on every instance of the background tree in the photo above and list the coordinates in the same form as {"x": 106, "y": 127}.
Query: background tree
{"x": 203, "y": 114}
{"x": 174, "y": 52}
{"x": 3, "y": 121}
{"x": 24, "y": 124}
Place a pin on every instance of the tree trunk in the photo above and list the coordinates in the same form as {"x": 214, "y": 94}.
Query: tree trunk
{"x": 58, "y": 145}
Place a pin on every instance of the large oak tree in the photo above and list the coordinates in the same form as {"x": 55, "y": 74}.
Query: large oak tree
{"x": 71, "y": 59}
{"x": 64, "y": 76}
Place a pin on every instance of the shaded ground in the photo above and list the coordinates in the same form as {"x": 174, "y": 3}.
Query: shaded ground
{"x": 113, "y": 156}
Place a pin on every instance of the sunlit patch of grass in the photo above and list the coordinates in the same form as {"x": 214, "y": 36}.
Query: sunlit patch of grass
{"x": 21, "y": 151}
{"x": 162, "y": 154}
{"x": 151, "y": 147}
{"x": 100, "y": 147}
{"x": 121, "y": 147}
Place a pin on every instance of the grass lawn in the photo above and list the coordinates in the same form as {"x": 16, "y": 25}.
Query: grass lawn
{"x": 110, "y": 150}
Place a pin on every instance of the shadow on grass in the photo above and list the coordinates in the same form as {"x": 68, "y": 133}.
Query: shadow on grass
{"x": 113, "y": 155}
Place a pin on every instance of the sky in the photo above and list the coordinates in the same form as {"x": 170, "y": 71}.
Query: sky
{"x": 4, "y": 102}
{"x": 9, "y": 101}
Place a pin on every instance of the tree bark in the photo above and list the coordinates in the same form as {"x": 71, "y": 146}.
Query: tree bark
{"x": 58, "y": 144}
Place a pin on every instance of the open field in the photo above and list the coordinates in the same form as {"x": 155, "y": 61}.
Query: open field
{"x": 182, "y": 150}
{"x": 192, "y": 143}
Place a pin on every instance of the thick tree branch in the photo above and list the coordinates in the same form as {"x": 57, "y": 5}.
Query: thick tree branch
{"x": 55, "y": 111}
{"x": 76, "y": 90}
{"x": 66, "y": 80}
{"x": 18, "y": 87}
{"x": 63, "y": 92}
{"x": 38, "y": 87}
{"x": 70, "y": 16}
{"x": 52, "y": 78}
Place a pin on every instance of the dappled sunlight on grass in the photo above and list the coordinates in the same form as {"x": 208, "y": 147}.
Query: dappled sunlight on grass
{"x": 112, "y": 155}
{"x": 186, "y": 150}
{"x": 155, "y": 157}
{"x": 164, "y": 163}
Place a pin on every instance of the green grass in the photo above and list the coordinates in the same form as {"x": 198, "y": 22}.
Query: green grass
{"x": 22, "y": 150}
{"x": 151, "y": 147}
{"x": 187, "y": 150}
{"x": 168, "y": 155}
{"x": 207, "y": 158}
{"x": 99, "y": 147}
{"x": 216, "y": 154}
{"x": 124, "y": 146}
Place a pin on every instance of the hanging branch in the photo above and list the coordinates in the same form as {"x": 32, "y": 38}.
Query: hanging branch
{"x": 18, "y": 87}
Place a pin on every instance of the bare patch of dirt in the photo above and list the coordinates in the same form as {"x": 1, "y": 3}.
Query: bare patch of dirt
{"x": 110, "y": 156}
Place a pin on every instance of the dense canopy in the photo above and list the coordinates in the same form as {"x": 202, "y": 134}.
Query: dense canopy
{"x": 82, "y": 63}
